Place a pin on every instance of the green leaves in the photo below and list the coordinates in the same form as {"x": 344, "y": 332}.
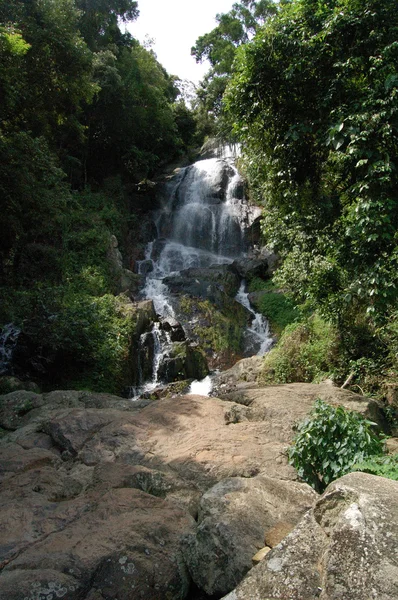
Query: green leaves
{"x": 313, "y": 98}
{"x": 329, "y": 442}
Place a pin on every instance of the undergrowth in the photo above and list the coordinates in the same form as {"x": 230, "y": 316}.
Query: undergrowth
{"x": 307, "y": 352}
{"x": 331, "y": 442}
{"x": 273, "y": 304}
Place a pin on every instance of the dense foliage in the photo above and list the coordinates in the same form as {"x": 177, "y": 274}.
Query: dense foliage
{"x": 219, "y": 47}
{"x": 308, "y": 350}
{"x": 314, "y": 99}
{"x": 86, "y": 112}
{"x": 330, "y": 442}
{"x": 384, "y": 466}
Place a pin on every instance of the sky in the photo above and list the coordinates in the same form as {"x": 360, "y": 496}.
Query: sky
{"x": 175, "y": 26}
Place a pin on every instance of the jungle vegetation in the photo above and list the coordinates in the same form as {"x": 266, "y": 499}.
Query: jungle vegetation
{"x": 308, "y": 87}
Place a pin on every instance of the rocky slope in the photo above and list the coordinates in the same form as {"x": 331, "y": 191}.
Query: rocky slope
{"x": 102, "y": 498}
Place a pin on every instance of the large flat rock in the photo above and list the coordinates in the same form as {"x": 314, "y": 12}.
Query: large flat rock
{"x": 99, "y": 494}
{"x": 345, "y": 548}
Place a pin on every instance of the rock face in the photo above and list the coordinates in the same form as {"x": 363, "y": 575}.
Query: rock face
{"x": 234, "y": 516}
{"x": 262, "y": 264}
{"x": 343, "y": 548}
{"x": 98, "y": 494}
{"x": 124, "y": 280}
{"x": 205, "y": 282}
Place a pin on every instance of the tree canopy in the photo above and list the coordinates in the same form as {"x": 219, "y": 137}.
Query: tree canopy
{"x": 313, "y": 99}
{"x": 219, "y": 46}
{"x": 86, "y": 112}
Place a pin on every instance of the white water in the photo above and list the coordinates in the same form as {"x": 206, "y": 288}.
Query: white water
{"x": 8, "y": 340}
{"x": 201, "y": 223}
{"x": 202, "y": 387}
{"x": 258, "y": 334}
{"x": 198, "y": 227}
{"x": 161, "y": 346}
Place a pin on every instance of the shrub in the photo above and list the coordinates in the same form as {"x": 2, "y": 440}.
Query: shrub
{"x": 307, "y": 352}
{"x": 329, "y": 442}
{"x": 385, "y": 466}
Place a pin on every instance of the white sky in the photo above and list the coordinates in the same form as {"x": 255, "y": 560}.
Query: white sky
{"x": 175, "y": 26}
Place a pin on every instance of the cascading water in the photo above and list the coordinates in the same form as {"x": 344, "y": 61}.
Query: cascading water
{"x": 8, "y": 341}
{"x": 201, "y": 223}
{"x": 258, "y": 334}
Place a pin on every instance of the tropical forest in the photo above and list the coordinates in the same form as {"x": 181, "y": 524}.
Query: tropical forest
{"x": 199, "y": 305}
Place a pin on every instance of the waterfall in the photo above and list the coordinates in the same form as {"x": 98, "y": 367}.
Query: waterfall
{"x": 8, "y": 340}
{"x": 200, "y": 223}
{"x": 258, "y": 334}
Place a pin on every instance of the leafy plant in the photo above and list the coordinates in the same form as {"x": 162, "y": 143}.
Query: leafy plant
{"x": 329, "y": 442}
{"x": 384, "y": 466}
{"x": 308, "y": 351}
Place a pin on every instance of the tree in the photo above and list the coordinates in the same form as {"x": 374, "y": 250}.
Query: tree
{"x": 314, "y": 100}
{"x": 131, "y": 122}
{"x": 219, "y": 46}
{"x": 99, "y": 21}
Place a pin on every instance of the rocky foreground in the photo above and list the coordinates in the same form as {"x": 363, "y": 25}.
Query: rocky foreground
{"x": 102, "y": 499}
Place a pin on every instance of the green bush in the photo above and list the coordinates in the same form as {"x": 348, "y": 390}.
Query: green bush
{"x": 307, "y": 352}
{"x": 384, "y": 466}
{"x": 260, "y": 285}
{"x": 329, "y": 442}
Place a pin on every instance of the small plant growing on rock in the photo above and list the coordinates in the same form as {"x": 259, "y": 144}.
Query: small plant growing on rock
{"x": 329, "y": 442}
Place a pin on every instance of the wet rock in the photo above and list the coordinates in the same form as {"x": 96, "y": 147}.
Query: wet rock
{"x": 168, "y": 390}
{"x": 233, "y": 516}
{"x": 172, "y": 369}
{"x": 184, "y": 361}
{"x": 174, "y": 328}
{"x": 214, "y": 188}
{"x": 344, "y": 547}
{"x": 146, "y": 266}
{"x": 205, "y": 282}
{"x": 218, "y": 329}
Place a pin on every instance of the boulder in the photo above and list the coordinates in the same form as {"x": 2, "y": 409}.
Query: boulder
{"x": 218, "y": 328}
{"x": 8, "y": 383}
{"x": 123, "y": 279}
{"x": 261, "y": 265}
{"x": 244, "y": 373}
{"x": 174, "y": 329}
{"x": 92, "y": 486}
{"x": 22, "y": 407}
{"x": 345, "y": 547}
{"x": 214, "y": 188}
{"x": 182, "y": 361}
{"x": 111, "y": 545}
{"x": 233, "y": 517}
{"x": 286, "y": 405}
